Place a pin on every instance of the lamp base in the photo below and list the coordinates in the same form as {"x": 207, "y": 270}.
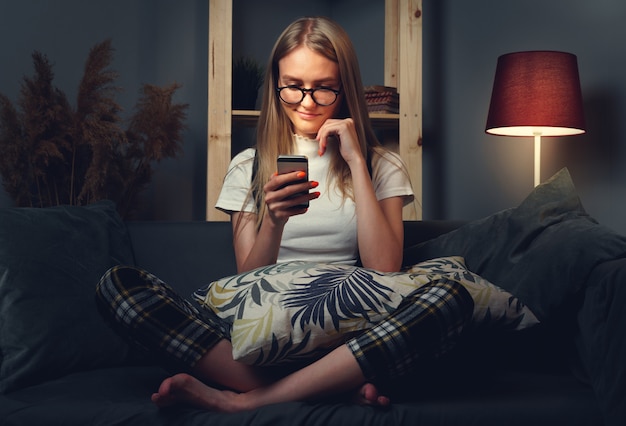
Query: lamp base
{"x": 537, "y": 158}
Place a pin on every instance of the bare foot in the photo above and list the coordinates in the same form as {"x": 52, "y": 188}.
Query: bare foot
{"x": 185, "y": 389}
{"x": 368, "y": 395}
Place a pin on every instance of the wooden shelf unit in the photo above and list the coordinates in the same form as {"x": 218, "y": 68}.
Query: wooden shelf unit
{"x": 403, "y": 69}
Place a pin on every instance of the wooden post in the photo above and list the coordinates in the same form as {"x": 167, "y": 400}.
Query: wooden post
{"x": 391, "y": 43}
{"x": 410, "y": 89}
{"x": 219, "y": 102}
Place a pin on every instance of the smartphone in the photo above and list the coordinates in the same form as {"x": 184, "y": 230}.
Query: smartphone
{"x": 294, "y": 163}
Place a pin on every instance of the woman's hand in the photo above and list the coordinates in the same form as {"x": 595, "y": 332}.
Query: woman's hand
{"x": 286, "y": 194}
{"x": 345, "y": 133}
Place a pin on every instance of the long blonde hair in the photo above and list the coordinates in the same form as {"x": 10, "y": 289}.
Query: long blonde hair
{"x": 274, "y": 130}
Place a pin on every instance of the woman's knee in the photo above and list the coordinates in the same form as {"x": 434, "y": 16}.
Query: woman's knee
{"x": 117, "y": 286}
{"x": 425, "y": 326}
{"x": 116, "y": 281}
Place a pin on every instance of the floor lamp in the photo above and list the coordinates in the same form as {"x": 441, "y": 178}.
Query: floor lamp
{"x": 536, "y": 93}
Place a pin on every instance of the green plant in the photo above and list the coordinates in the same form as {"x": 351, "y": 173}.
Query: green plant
{"x": 248, "y": 76}
{"x": 53, "y": 154}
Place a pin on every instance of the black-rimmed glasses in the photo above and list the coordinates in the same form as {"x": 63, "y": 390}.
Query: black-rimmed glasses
{"x": 323, "y": 96}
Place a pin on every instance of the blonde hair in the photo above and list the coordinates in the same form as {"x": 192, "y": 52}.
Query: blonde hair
{"x": 274, "y": 130}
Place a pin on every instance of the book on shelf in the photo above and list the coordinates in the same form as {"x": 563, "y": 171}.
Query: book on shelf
{"x": 382, "y": 99}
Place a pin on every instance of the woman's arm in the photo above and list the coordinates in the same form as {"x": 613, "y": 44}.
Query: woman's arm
{"x": 254, "y": 249}
{"x": 380, "y": 230}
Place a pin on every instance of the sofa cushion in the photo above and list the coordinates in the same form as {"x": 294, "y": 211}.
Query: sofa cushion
{"x": 120, "y": 396}
{"x": 50, "y": 261}
{"x": 296, "y": 310}
{"x": 601, "y": 341}
{"x": 541, "y": 251}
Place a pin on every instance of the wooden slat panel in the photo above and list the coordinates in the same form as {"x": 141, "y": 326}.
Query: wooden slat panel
{"x": 219, "y": 102}
{"x": 391, "y": 43}
{"x": 410, "y": 78}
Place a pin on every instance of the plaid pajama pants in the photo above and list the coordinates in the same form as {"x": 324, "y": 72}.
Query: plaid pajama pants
{"x": 425, "y": 326}
{"x": 141, "y": 307}
{"x": 146, "y": 310}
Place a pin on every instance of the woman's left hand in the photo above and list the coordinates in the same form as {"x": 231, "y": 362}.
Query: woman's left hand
{"x": 345, "y": 133}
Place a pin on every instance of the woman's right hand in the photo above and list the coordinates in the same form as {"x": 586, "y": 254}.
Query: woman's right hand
{"x": 255, "y": 248}
{"x": 285, "y": 195}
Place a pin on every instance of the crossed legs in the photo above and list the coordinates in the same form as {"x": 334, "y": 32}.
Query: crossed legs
{"x": 427, "y": 324}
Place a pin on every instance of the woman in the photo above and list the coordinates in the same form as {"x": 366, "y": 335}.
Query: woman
{"x": 313, "y": 104}
{"x": 313, "y": 90}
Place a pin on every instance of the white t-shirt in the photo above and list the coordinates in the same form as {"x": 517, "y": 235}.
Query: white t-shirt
{"x": 327, "y": 232}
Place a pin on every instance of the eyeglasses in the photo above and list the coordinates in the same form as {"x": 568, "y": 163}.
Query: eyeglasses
{"x": 323, "y": 96}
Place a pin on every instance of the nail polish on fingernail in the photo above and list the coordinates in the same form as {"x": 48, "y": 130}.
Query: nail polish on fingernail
{"x": 314, "y": 184}
{"x": 301, "y": 174}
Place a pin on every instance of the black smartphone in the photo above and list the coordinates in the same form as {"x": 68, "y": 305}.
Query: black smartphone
{"x": 294, "y": 163}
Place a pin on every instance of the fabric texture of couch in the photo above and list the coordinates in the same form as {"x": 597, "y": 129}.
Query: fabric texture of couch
{"x": 61, "y": 365}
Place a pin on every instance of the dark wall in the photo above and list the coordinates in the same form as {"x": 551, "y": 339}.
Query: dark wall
{"x": 160, "y": 42}
{"x": 156, "y": 42}
{"x": 467, "y": 173}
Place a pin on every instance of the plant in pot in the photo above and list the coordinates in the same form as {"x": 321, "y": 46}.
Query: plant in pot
{"x": 54, "y": 154}
{"x": 248, "y": 76}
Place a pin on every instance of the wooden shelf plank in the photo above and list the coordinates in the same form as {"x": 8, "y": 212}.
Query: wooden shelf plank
{"x": 249, "y": 118}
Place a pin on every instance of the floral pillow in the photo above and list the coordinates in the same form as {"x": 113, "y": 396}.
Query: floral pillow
{"x": 296, "y": 310}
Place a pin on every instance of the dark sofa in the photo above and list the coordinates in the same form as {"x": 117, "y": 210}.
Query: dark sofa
{"x": 61, "y": 365}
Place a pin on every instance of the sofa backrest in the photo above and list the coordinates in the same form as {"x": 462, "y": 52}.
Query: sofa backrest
{"x": 186, "y": 255}
{"x": 189, "y": 255}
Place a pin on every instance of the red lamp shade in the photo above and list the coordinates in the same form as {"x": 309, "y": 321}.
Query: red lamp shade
{"x": 536, "y": 93}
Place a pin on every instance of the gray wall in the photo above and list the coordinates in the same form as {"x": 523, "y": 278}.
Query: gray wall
{"x": 467, "y": 174}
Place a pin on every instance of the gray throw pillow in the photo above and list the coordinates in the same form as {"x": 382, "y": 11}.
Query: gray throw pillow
{"x": 50, "y": 262}
{"x": 541, "y": 251}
